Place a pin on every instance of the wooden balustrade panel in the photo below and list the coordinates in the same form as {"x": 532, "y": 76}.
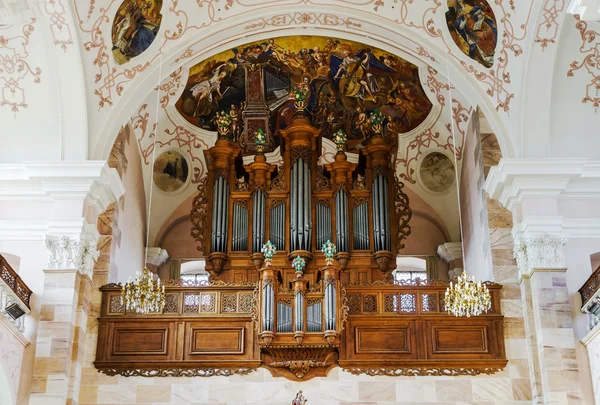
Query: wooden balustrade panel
{"x": 211, "y": 330}
{"x": 403, "y": 330}
{"x": 201, "y": 331}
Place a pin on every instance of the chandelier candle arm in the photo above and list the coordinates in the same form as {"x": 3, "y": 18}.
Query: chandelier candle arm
{"x": 467, "y": 298}
{"x": 143, "y": 295}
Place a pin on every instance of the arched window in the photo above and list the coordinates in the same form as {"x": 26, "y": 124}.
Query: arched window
{"x": 410, "y": 268}
{"x": 194, "y": 271}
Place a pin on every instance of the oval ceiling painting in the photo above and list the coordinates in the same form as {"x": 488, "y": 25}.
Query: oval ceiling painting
{"x": 135, "y": 28}
{"x": 437, "y": 172}
{"x": 347, "y": 82}
{"x": 472, "y": 25}
{"x": 170, "y": 172}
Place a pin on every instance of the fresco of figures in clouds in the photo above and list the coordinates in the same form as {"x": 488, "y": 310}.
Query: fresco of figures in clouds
{"x": 135, "y": 27}
{"x": 473, "y": 28}
{"x": 348, "y": 80}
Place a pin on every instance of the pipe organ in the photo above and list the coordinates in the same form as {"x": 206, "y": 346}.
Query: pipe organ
{"x": 300, "y": 312}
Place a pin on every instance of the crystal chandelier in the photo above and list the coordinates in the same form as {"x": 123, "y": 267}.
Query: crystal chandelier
{"x": 143, "y": 295}
{"x": 467, "y": 298}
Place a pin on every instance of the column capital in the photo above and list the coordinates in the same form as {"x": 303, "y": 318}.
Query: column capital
{"x": 537, "y": 252}
{"x": 515, "y": 180}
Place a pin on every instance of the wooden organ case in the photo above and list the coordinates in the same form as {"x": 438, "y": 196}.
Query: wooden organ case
{"x": 299, "y": 324}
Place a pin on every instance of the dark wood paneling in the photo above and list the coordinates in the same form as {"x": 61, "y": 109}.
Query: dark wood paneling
{"x": 474, "y": 338}
{"x": 457, "y": 339}
{"x": 217, "y": 340}
{"x": 140, "y": 341}
{"x": 382, "y": 340}
{"x": 137, "y": 340}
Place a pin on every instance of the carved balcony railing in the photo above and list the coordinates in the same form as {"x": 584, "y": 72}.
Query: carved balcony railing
{"x": 13, "y": 291}
{"x": 204, "y": 330}
{"x": 590, "y": 297}
{"x": 403, "y": 328}
{"x": 382, "y": 328}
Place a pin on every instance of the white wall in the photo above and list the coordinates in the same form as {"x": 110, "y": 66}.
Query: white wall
{"x": 574, "y": 124}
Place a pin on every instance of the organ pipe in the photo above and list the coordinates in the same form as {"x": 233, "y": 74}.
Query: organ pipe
{"x": 268, "y": 300}
{"x": 313, "y": 317}
{"x": 239, "y": 238}
{"x": 220, "y": 216}
{"x": 277, "y": 226}
{"x": 258, "y": 221}
{"x": 323, "y": 224}
{"x": 361, "y": 226}
{"x": 299, "y": 312}
{"x": 300, "y": 197}
{"x": 284, "y": 318}
{"x": 342, "y": 229}
{"x": 330, "y": 307}
{"x": 381, "y": 214}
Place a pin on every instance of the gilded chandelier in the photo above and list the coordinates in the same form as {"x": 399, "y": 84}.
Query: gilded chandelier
{"x": 143, "y": 295}
{"x": 467, "y": 298}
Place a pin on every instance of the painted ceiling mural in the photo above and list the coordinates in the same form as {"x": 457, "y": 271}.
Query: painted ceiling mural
{"x": 134, "y": 28}
{"x": 347, "y": 80}
{"x": 159, "y": 130}
{"x": 472, "y": 25}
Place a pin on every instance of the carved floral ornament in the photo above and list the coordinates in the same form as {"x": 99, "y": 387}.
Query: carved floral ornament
{"x": 71, "y": 253}
{"x": 541, "y": 252}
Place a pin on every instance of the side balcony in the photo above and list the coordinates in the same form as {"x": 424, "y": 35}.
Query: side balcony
{"x": 14, "y": 296}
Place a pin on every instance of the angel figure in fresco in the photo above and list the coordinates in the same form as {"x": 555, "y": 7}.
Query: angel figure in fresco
{"x": 299, "y": 400}
{"x": 204, "y": 92}
{"x": 355, "y": 74}
{"x": 477, "y": 32}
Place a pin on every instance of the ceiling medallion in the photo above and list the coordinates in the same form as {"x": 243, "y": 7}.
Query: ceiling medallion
{"x": 467, "y": 298}
{"x": 143, "y": 295}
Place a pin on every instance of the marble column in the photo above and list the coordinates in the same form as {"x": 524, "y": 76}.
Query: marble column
{"x": 62, "y": 326}
{"x": 548, "y": 321}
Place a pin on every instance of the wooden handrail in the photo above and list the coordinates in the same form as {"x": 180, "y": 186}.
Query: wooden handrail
{"x": 590, "y": 287}
{"x": 14, "y": 282}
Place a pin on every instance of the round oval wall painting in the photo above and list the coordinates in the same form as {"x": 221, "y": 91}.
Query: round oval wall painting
{"x": 472, "y": 25}
{"x": 437, "y": 172}
{"x": 135, "y": 28}
{"x": 171, "y": 171}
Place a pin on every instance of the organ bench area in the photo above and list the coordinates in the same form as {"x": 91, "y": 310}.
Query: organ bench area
{"x": 253, "y": 313}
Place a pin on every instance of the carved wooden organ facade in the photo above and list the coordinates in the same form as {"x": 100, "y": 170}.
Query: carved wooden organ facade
{"x": 298, "y": 324}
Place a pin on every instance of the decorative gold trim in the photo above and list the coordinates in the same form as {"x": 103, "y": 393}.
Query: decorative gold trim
{"x": 409, "y": 283}
{"x": 422, "y": 371}
{"x": 194, "y": 283}
{"x": 177, "y": 372}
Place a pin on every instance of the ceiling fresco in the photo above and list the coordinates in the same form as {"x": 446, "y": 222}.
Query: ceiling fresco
{"x": 134, "y": 28}
{"x": 347, "y": 80}
{"x": 472, "y": 25}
